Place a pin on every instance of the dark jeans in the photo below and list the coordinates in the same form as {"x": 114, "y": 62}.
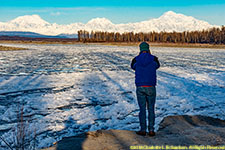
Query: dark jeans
{"x": 146, "y": 97}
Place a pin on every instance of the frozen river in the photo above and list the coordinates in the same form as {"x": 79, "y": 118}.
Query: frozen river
{"x": 52, "y": 59}
{"x": 65, "y": 90}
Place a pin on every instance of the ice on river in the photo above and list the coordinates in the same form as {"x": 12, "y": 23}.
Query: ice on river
{"x": 66, "y": 90}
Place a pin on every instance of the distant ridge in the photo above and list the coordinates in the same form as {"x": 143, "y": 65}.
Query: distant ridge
{"x": 30, "y": 34}
{"x": 169, "y": 22}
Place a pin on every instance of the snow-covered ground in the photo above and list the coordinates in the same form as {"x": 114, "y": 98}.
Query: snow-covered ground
{"x": 70, "y": 89}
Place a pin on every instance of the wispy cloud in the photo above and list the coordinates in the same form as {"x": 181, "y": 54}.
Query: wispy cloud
{"x": 55, "y": 13}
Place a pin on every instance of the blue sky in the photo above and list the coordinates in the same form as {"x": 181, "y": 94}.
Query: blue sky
{"x": 118, "y": 11}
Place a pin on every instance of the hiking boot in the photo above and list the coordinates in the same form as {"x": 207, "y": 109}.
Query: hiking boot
{"x": 151, "y": 133}
{"x": 142, "y": 133}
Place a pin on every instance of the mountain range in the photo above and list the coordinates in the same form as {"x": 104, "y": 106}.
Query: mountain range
{"x": 35, "y": 35}
{"x": 169, "y": 22}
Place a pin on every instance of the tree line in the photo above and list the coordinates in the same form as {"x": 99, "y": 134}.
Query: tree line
{"x": 212, "y": 36}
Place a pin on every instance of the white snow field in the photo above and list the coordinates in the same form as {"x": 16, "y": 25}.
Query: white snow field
{"x": 66, "y": 90}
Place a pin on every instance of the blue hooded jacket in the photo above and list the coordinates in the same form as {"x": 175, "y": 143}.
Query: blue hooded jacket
{"x": 145, "y": 66}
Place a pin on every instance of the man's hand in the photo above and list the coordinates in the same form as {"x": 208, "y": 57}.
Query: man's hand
{"x": 157, "y": 61}
{"x": 133, "y": 63}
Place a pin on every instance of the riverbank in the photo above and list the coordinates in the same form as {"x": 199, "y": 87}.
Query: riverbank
{"x": 152, "y": 44}
{"x": 71, "y": 42}
{"x": 9, "y": 48}
{"x": 183, "y": 131}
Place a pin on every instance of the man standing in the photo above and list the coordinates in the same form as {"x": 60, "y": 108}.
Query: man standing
{"x": 145, "y": 66}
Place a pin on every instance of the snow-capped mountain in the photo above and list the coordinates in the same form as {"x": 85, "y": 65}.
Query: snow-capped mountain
{"x": 29, "y": 20}
{"x": 169, "y": 21}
